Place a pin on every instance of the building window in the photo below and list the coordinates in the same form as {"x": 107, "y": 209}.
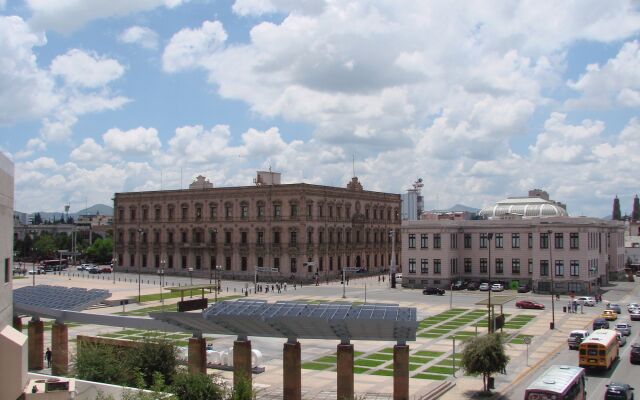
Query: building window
{"x": 260, "y": 237}
{"x": 276, "y": 237}
{"x": 260, "y": 210}
{"x": 530, "y": 240}
{"x": 515, "y": 240}
{"x": 294, "y": 210}
{"x": 243, "y": 237}
{"x": 227, "y": 237}
{"x": 294, "y": 267}
{"x": 198, "y": 262}
{"x": 515, "y": 266}
{"x": 467, "y": 265}
{"x": 170, "y": 261}
{"x": 499, "y": 241}
{"x": 227, "y": 263}
{"x": 530, "y": 267}
{"x": 330, "y": 263}
{"x": 424, "y": 266}
{"x": 574, "y": 268}
{"x": 243, "y": 263}
{"x": 424, "y": 241}
{"x": 244, "y": 211}
{"x": 228, "y": 211}
{"x": 559, "y": 240}
{"x": 198, "y": 213}
{"x": 170, "y": 212}
{"x": 499, "y": 266}
{"x": 412, "y": 265}
{"x": 293, "y": 238}
{"x": 544, "y": 268}
{"x": 260, "y": 262}
{"x": 483, "y": 265}
{"x": 321, "y": 263}
{"x": 185, "y": 213}
{"x": 544, "y": 240}
{"x": 309, "y": 210}
{"x": 7, "y": 271}
{"x": 467, "y": 240}
{"x": 436, "y": 241}
{"x": 213, "y": 236}
{"x": 454, "y": 240}
{"x": 454, "y": 266}
{"x": 574, "y": 240}
{"x": 412, "y": 240}
{"x": 213, "y": 212}
{"x": 184, "y": 262}
{"x": 197, "y": 237}
{"x": 213, "y": 262}
{"x": 157, "y": 212}
{"x": 437, "y": 266}
{"x": 157, "y": 261}
{"x": 559, "y": 268}
{"x": 120, "y": 215}
{"x": 183, "y": 236}
{"x": 276, "y": 263}
{"x": 483, "y": 240}
{"x": 156, "y": 236}
{"x": 132, "y": 214}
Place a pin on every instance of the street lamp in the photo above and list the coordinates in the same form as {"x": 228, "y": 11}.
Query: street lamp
{"x": 113, "y": 269}
{"x": 218, "y": 268}
{"x": 191, "y": 280}
{"x": 392, "y": 232}
{"x": 141, "y": 232}
{"x": 489, "y": 320}
{"x": 552, "y": 271}
{"x": 161, "y": 273}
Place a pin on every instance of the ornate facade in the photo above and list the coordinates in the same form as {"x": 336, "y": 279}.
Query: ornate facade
{"x": 298, "y": 229}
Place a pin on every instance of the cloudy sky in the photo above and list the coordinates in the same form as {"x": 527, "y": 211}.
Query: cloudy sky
{"x": 482, "y": 99}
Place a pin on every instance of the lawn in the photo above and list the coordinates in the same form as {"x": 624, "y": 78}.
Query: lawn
{"x": 316, "y": 366}
{"x": 363, "y": 362}
{"x": 380, "y": 356}
{"x": 433, "y": 377}
{"x": 427, "y": 353}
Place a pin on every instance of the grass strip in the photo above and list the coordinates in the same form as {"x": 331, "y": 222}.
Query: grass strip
{"x": 380, "y": 356}
{"x": 440, "y": 370}
{"x": 433, "y": 377}
{"x": 420, "y": 360}
{"x": 316, "y": 366}
{"x": 383, "y": 372}
{"x": 327, "y": 359}
{"x": 428, "y": 353}
{"x": 363, "y": 362}
{"x": 360, "y": 370}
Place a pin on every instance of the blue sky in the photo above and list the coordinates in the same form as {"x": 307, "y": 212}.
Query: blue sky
{"x": 482, "y": 100}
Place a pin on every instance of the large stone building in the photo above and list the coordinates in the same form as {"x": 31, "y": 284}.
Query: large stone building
{"x": 519, "y": 244}
{"x": 298, "y": 229}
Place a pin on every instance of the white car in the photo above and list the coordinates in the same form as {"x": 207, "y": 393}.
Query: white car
{"x": 632, "y": 306}
{"x": 624, "y": 328}
{"x": 586, "y": 300}
{"x": 496, "y": 287}
{"x": 484, "y": 286}
{"x": 621, "y": 339}
{"x": 85, "y": 267}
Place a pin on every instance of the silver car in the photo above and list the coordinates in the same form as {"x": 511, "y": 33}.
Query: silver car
{"x": 624, "y": 328}
{"x": 632, "y": 306}
{"x": 586, "y": 300}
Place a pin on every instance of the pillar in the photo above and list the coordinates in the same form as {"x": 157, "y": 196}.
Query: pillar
{"x": 36, "y": 344}
{"x": 241, "y": 360}
{"x": 197, "y": 356}
{"x": 59, "y": 349}
{"x": 17, "y": 323}
{"x": 400, "y": 372}
{"x": 292, "y": 371}
{"x": 345, "y": 370}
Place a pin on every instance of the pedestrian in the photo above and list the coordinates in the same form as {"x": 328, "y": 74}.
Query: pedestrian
{"x": 378, "y": 278}
{"x": 47, "y": 356}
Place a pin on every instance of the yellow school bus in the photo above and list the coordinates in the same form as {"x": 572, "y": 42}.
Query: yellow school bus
{"x": 599, "y": 350}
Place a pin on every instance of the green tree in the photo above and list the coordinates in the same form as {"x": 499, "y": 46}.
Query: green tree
{"x": 101, "y": 250}
{"x": 155, "y": 355}
{"x": 102, "y": 363}
{"x": 196, "y": 386}
{"x": 46, "y": 246}
{"x": 37, "y": 219}
{"x": 484, "y": 355}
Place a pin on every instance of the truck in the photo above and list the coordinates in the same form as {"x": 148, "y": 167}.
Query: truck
{"x": 575, "y": 338}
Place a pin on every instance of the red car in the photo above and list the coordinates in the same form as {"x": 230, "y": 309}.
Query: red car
{"x": 529, "y": 304}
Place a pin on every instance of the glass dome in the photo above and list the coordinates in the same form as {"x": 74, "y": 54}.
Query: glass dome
{"x": 526, "y": 207}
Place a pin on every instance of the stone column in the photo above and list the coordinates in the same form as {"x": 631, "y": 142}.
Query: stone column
{"x": 197, "y": 356}
{"x": 291, "y": 371}
{"x": 400, "y": 372}
{"x": 345, "y": 370}
{"x": 17, "y": 323}
{"x": 59, "y": 349}
{"x": 241, "y": 360}
{"x": 36, "y": 344}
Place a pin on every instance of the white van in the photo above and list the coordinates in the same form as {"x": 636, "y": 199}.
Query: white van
{"x": 586, "y": 300}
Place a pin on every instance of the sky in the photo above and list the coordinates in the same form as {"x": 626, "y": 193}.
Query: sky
{"x": 481, "y": 99}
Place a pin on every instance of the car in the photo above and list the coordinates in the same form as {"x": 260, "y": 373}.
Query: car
{"x": 472, "y": 286}
{"x": 93, "y": 270}
{"x": 105, "y": 270}
{"x": 459, "y": 285}
{"x": 529, "y": 304}
{"x": 586, "y": 300}
{"x": 484, "y": 286}
{"x": 497, "y": 287}
{"x": 85, "y": 267}
{"x": 615, "y": 307}
{"x": 433, "y": 290}
{"x": 609, "y": 315}
{"x": 623, "y": 327}
{"x": 632, "y": 306}
{"x": 635, "y": 315}
{"x": 600, "y": 323}
{"x": 575, "y": 338}
{"x": 622, "y": 340}
{"x": 634, "y": 354}
{"x": 524, "y": 289}
{"x": 618, "y": 391}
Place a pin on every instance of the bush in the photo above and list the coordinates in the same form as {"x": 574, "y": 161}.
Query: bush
{"x": 102, "y": 363}
{"x": 155, "y": 355}
{"x": 196, "y": 386}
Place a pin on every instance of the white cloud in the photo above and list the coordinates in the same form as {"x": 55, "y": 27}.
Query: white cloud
{"x": 135, "y": 141}
{"x": 190, "y": 47}
{"x": 79, "y": 68}
{"x": 89, "y": 152}
{"x": 68, "y": 15}
{"x": 259, "y": 7}
{"x": 140, "y": 35}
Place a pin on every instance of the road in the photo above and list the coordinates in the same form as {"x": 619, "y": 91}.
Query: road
{"x": 622, "y": 370}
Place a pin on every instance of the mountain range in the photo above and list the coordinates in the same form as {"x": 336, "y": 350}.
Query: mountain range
{"x": 101, "y": 209}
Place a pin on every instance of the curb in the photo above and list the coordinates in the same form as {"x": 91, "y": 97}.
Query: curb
{"x": 439, "y": 390}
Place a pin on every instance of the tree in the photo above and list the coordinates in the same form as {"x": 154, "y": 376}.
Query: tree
{"x": 616, "y": 215}
{"x": 155, "y": 355}
{"x": 196, "y": 386}
{"x": 484, "y": 355}
{"x": 46, "y": 246}
{"x": 37, "y": 219}
{"x": 102, "y": 363}
{"x": 101, "y": 250}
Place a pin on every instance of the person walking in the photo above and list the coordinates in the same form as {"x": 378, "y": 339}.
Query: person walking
{"x": 47, "y": 356}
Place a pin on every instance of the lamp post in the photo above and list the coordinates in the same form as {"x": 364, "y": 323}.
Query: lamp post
{"x": 113, "y": 269}
{"x": 141, "y": 232}
{"x": 161, "y": 273}
{"x": 552, "y": 271}
{"x": 489, "y": 319}
{"x": 392, "y": 232}
{"x": 218, "y": 267}
{"x": 191, "y": 281}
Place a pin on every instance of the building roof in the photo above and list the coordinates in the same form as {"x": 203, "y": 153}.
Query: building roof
{"x": 526, "y": 207}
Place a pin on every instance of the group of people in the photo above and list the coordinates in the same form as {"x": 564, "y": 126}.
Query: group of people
{"x": 279, "y": 287}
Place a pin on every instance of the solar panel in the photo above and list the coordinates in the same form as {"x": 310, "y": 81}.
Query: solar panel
{"x": 58, "y": 297}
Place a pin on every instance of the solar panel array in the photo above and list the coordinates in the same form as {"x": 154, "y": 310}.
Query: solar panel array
{"x": 58, "y": 297}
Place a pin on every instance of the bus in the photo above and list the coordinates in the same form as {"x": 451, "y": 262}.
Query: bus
{"x": 54, "y": 265}
{"x": 559, "y": 382}
{"x": 599, "y": 350}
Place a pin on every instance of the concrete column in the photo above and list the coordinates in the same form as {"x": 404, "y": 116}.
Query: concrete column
{"x": 241, "y": 360}
{"x": 292, "y": 371}
{"x": 197, "y": 356}
{"x": 17, "y": 323}
{"x": 36, "y": 344}
{"x": 400, "y": 372}
{"x": 59, "y": 349}
{"x": 345, "y": 371}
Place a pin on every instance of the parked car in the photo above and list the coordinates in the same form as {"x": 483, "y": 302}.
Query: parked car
{"x": 459, "y": 285}
{"x": 615, "y": 307}
{"x": 472, "y": 286}
{"x": 600, "y": 323}
{"x": 433, "y": 290}
{"x": 586, "y": 300}
{"x": 529, "y": 304}
{"x": 633, "y": 306}
{"x": 622, "y": 340}
{"x": 105, "y": 270}
{"x": 634, "y": 355}
{"x": 609, "y": 315}
{"x": 84, "y": 267}
{"x": 497, "y": 287}
{"x": 575, "y": 338}
{"x": 624, "y": 328}
{"x": 484, "y": 286}
{"x": 93, "y": 270}
{"x": 618, "y": 391}
{"x": 524, "y": 289}
{"x": 634, "y": 315}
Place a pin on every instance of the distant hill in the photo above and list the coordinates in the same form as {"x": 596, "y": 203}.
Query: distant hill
{"x": 101, "y": 209}
{"x": 459, "y": 207}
